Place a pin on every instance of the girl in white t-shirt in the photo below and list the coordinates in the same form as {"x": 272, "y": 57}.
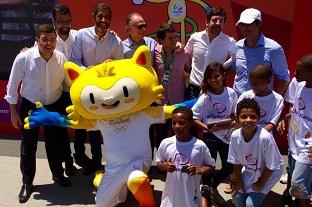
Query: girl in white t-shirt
{"x": 254, "y": 154}
{"x": 212, "y": 114}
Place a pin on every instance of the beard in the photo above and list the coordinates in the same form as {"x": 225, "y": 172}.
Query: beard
{"x": 64, "y": 31}
{"x": 215, "y": 30}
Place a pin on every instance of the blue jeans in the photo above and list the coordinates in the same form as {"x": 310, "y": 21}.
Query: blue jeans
{"x": 253, "y": 199}
{"x": 301, "y": 181}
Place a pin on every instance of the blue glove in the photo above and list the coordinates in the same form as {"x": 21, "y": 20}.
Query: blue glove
{"x": 40, "y": 117}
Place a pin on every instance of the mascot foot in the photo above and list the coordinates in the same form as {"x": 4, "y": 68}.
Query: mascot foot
{"x": 140, "y": 187}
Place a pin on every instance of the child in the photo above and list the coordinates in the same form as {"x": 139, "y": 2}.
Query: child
{"x": 217, "y": 102}
{"x": 257, "y": 161}
{"x": 299, "y": 134}
{"x": 281, "y": 128}
{"x": 270, "y": 102}
{"x": 185, "y": 158}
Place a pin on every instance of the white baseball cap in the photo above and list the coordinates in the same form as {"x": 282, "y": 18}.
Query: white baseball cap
{"x": 248, "y": 16}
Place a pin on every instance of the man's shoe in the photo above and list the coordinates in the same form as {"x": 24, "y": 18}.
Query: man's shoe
{"x": 216, "y": 197}
{"x": 82, "y": 160}
{"x": 62, "y": 181}
{"x": 70, "y": 170}
{"x": 25, "y": 192}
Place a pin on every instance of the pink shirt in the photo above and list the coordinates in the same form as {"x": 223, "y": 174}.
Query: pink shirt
{"x": 174, "y": 91}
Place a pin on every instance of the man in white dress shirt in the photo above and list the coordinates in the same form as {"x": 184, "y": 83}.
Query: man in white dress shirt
{"x": 40, "y": 72}
{"x": 207, "y": 46}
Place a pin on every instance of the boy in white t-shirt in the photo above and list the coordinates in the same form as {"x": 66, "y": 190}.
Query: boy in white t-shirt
{"x": 270, "y": 102}
{"x": 256, "y": 159}
{"x": 299, "y": 133}
{"x": 185, "y": 158}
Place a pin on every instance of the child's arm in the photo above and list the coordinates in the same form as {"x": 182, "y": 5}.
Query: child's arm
{"x": 285, "y": 117}
{"x": 238, "y": 184}
{"x": 166, "y": 166}
{"x": 262, "y": 180}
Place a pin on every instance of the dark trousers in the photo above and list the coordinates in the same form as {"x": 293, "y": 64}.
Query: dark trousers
{"x": 215, "y": 145}
{"x": 95, "y": 139}
{"x": 54, "y": 144}
{"x": 68, "y": 159}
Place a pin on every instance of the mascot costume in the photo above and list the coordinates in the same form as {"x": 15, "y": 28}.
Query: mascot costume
{"x": 115, "y": 98}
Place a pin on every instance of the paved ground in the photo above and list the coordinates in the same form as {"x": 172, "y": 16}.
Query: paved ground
{"x": 80, "y": 193}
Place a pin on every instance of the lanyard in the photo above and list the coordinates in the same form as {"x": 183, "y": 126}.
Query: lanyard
{"x": 168, "y": 63}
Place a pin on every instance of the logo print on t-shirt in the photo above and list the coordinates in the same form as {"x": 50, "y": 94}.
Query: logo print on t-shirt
{"x": 251, "y": 160}
{"x": 180, "y": 160}
{"x": 301, "y": 103}
{"x": 219, "y": 107}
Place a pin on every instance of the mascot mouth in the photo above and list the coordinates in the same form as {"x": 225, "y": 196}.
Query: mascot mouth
{"x": 110, "y": 106}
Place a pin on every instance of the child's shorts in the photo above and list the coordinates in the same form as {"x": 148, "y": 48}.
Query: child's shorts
{"x": 301, "y": 181}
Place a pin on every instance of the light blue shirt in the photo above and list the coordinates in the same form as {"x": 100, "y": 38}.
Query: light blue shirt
{"x": 266, "y": 51}
{"x": 130, "y": 47}
{"x": 88, "y": 49}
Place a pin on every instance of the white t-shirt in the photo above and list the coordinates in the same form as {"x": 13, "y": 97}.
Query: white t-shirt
{"x": 260, "y": 152}
{"x": 203, "y": 52}
{"x": 291, "y": 90}
{"x": 300, "y": 126}
{"x": 271, "y": 106}
{"x": 181, "y": 189}
{"x": 213, "y": 107}
{"x": 127, "y": 138}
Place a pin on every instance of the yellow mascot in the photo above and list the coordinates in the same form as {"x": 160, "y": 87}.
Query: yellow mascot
{"x": 115, "y": 98}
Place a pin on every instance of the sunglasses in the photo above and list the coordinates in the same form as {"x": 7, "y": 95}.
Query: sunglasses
{"x": 141, "y": 26}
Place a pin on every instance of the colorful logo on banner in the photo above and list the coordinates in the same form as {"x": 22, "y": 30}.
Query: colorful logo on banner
{"x": 177, "y": 14}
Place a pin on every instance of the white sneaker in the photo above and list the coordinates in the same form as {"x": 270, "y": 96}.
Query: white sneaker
{"x": 284, "y": 178}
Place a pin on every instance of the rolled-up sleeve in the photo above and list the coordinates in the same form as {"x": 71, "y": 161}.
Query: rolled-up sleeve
{"x": 15, "y": 79}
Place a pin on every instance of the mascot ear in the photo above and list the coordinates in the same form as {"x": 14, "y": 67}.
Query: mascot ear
{"x": 72, "y": 72}
{"x": 142, "y": 56}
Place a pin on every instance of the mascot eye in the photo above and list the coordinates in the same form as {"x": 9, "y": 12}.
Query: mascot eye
{"x": 92, "y": 98}
{"x": 125, "y": 90}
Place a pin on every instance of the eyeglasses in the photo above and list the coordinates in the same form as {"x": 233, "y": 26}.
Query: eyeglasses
{"x": 141, "y": 26}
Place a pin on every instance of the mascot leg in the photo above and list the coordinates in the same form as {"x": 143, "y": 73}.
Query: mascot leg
{"x": 139, "y": 185}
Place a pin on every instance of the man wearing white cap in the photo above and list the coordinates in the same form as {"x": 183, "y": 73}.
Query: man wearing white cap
{"x": 256, "y": 49}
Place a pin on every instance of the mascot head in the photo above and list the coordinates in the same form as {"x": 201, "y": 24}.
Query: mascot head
{"x": 114, "y": 89}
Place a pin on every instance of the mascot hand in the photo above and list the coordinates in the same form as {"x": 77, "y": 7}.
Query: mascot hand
{"x": 159, "y": 94}
{"x": 40, "y": 116}
{"x": 77, "y": 121}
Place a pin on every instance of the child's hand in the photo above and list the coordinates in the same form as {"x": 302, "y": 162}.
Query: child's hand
{"x": 257, "y": 186}
{"x": 170, "y": 167}
{"x": 192, "y": 170}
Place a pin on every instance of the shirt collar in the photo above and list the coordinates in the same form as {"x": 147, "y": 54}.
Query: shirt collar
{"x": 97, "y": 37}
{"x": 260, "y": 42}
{"x": 37, "y": 54}
{"x": 131, "y": 43}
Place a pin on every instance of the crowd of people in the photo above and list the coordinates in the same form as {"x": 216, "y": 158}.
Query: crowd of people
{"x": 238, "y": 122}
